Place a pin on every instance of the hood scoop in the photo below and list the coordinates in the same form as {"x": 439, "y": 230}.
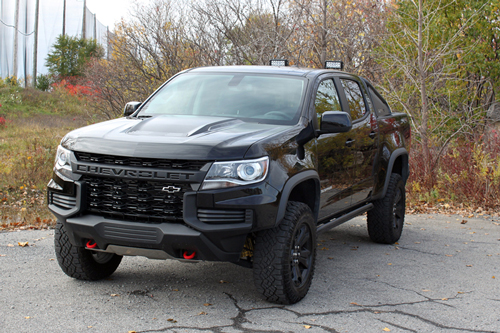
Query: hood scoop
{"x": 180, "y": 126}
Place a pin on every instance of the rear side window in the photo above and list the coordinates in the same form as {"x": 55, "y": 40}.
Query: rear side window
{"x": 379, "y": 104}
{"x": 327, "y": 98}
{"x": 354, "y": 98}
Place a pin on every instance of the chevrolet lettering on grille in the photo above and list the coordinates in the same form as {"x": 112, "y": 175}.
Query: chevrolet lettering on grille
{"x": 132, "y": 173}
{"x": 171, "y": 189}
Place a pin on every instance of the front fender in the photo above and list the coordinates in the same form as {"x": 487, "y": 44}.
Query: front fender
{"x": 288, "y": 188}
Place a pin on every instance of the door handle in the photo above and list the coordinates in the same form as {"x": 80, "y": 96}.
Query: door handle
{"x": 372, "y": 135}
{"x": 349, "y": 142}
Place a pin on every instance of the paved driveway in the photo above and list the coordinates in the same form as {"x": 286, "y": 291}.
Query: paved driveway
{"x": 443, "y": 276}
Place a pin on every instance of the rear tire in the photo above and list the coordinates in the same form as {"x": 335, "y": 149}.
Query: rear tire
{"x": 386, "y": 219}
{"x": 284, "y": 256}
{"x": 80, "y": 263}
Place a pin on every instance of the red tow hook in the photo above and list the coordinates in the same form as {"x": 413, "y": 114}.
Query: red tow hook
{"x": 189, "y": 256}
{"x": 91, "y": 244}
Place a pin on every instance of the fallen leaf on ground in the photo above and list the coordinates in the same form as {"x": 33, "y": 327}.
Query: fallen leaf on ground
{"x": 22, "y": 244}
{"x": 354, "y": 303}
{"x": 386, "y": 329}
{"x": 12, "y": 245}
{"x": 324, "y": 248}
{"x": 425, "y": 290}
{"x": 463, "y": 222}
{"x": 468, "y": 265}
{"x": 202, "y": 313}
{"x": 207, "y": 304}
{"x": 175, "y": 289}
{"x": 51, "y": 259}
{"x": 493, "y": 277}
{"x": 307, "y": 326}
{"x": 389, "y": 264}
{"x": 444, "y": 299}
{"x": 28, "y": 317}
{"x": 114, "y": 295}
{"x": 222, "y": 281}
{"x": 449, "y": 255}
{"x": 132, "y": 332}
{"x": 172, "y": 320}
{"x": 331, "y": 258}
{"x": 2, "y": 255}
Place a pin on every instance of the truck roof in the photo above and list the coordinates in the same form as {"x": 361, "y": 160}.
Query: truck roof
{"x": 286, "y": 70}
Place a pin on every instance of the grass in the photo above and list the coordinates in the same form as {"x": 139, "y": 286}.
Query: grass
{"x": 34, "y": 123}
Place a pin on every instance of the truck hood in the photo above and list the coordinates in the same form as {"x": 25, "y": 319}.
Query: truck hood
{"x": 171, "y": 137}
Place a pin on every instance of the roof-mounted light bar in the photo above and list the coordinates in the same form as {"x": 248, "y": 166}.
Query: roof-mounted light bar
{"x": 334, "y": 64}
{"x": 278, "y": 62}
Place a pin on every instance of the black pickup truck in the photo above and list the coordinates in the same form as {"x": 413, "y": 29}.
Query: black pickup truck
{"x": 244, "y": 164}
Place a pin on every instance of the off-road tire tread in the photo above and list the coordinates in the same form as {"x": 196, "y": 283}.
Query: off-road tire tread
{"x": 379, "y": 222}
{"x": 270, "y": 263}
{"x": 77, "y": 262}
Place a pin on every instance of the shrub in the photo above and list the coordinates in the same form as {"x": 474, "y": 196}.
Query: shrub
{"x": 43, "y": 82}
{"x": 467, "y": 174}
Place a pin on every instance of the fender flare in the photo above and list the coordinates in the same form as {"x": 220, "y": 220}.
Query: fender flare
{"x": 405, "y": 167}
{"x": 288, "y": 188}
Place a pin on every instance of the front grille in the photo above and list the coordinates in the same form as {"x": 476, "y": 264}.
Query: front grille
{"x": 216, "y": 216}
{"x": 135, "y": 200}
{"x": 62, "y": 201}
{"x": 140, "y": 162}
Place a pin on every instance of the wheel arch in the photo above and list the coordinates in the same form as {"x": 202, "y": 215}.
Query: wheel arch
{"x": 398, "y": 163}
{"x": 302, "y": 187}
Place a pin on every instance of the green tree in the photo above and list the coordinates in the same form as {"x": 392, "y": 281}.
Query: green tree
{"x": 69, "y": 55}
{"x": 436, "y": 55}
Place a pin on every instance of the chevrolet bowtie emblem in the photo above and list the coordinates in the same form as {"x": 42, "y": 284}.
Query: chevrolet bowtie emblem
{"x": 171, "y": 189}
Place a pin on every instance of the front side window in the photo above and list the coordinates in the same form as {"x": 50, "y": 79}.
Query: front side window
{"x": 274, "y": 99}
{"x": 327, "y": 98}
{"x": 354, "y": 98}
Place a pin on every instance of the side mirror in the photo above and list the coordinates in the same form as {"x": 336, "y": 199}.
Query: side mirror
{"x": 130, "y": 108}
{"x": 335, "y": 122}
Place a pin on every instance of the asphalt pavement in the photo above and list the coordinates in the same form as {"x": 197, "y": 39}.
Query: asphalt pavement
{"x": 443, "y": 276}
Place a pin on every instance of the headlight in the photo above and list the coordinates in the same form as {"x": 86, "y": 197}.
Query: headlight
{"x": 234, "y": 173}
{"x": 63, "y": 162}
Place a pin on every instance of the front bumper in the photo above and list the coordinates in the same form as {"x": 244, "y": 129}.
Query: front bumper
{"x": 212, "y": 241}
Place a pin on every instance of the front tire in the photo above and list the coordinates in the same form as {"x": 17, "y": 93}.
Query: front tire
{"x": 284, "y": 256}
{"x": 80, "y": 263}
{"x": 386, "y": 219}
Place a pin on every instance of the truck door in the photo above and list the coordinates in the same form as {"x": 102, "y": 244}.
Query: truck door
{"x": 334, "y": 155}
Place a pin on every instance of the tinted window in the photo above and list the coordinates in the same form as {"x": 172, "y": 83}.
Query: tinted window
{"x": 380, "y": 105}
{"x": 327, "y": 98}
{"x": 354, "y": 98}
{"x": 259, "y": 98}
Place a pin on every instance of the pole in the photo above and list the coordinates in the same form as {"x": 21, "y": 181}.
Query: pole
{"x": 25, "y": 58}
{"x": 84, "y": 18}
{"x": 35, "y": 47}
{"x": 107, "y": 42}
{"x": 95, "y": 28}
{"x": 16, "y": 37}
{"x": 64, "y": 18}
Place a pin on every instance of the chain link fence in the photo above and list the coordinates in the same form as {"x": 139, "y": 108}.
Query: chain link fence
{"x": 18, "y": 30}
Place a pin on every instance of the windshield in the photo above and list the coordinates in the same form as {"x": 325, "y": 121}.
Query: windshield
{"x": 270, "y": 99}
